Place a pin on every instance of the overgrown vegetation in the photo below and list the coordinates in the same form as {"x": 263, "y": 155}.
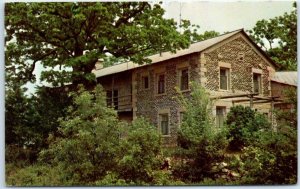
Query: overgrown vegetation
{"x": 92, "y": 147}
{"x": 201, "y": 144}
{"x": 243, "y": 124}
{"x": 56, "y": 138}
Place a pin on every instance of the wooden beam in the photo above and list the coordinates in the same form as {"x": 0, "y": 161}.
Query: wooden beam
{"x": 234, "y": 96}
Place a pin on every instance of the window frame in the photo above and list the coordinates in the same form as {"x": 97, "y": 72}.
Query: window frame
{"x": 227, "y": 74}
{"x": 223, "y": 108}
{"x": 167, "y": 117}
{"x": 159, "y": 114}
{"x": 144, "y": 83}
{"x": 180, "y": 78}
{"x": 157, "y": 83}
{"x": 259, "y": 80}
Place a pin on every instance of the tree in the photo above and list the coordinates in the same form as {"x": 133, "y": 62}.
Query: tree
{"x": 69, "y": 38}
{"x": 88, "y": 141}
{"x": 278, "y": 37}
{"x": 139, "y": 153}
{"x": 201, "y": 143}
{"x": 243, "y": 123}
{"x": 23, "y": 137}
{"x": 206, "y": 35}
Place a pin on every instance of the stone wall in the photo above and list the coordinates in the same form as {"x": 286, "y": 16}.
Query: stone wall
{"x": 243, "y": 61}
{"x": 149, "y": 104}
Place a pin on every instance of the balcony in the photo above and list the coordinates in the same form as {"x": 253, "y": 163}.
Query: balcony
{"x": 120, "y": 103}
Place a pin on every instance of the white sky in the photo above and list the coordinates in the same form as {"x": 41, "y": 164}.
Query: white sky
{"x": 222, "y": 16}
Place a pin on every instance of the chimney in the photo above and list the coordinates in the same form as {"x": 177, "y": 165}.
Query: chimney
{"x": 99, "y": 64}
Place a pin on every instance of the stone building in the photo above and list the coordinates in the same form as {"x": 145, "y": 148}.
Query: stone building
{"x": 232, "y": 68}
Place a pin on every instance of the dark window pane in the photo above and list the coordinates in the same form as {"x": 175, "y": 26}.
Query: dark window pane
{"x": 161, "y": 84}
{"x": 146, "y": 82}
{"x": 224, "y": 79}
{"x": 109, "y": 98}
{"x": 256, "y": 83}
{"x": 116, "y": 101}
{"x": 164, "y": 124}
{"x": 184, "y": 80}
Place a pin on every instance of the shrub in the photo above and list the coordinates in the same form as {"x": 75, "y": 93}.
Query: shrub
{"x": 242, "y": 124}
{"x": 37, "y": 175}
{"x": 89, "y": 139}
{"x": 140, "y": 150}
{"x": 202, "y": 143}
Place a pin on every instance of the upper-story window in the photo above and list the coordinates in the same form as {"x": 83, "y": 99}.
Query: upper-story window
{"x": 257, "y": 83}
{"x": 224, "y": 78}
{"x": 145, "y": 82}
{"x": 184, "y": 79}
{"x": 161, "y": 84}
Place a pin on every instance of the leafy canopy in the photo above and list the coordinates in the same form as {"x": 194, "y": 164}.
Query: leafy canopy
{"x": 71, "y": 37}
{"x": 278, "y": 37}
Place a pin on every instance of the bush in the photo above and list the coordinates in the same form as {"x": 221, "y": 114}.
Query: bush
{"x": 89, "y": 139}
{"x": 36, "y": 175}
{"x": 242, "y": 124}
{"x": 201, "y": 143}
{"x": 140, "y": 150}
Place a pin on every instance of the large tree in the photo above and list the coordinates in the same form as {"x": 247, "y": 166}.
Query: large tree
{"x": 278, "y": 37}
{"x": 71, "y": 37}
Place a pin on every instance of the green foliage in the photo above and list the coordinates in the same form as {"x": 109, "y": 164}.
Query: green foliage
{"x": 140, "y": 150}
{"x": 94, "y": 131}
{"x": 282, "y": 29}
{"x": 272, "y": 160}
{"x": 206, "y": 35}
{"x": 288, "y": 117}
{"x": 243, "y": 123}
{"x": 201, "y": 143}
{"x": 269, "y": 157}
{"x": 71, "y": 37}
{"x": 108, "y": 152}
{"x": 35, "y": 175}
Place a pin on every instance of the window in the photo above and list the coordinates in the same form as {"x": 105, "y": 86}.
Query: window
{"x": 112, "y": 99}
{"x": 108, "y": 98}
{"x": 256, "y": 83}
{"x": 184, "y": 79}
{"x": 164, "y": 124}
{"x": 145, "y": 82}
{"x": 224, "y": 78}
{"x": 220, "y": 115}
{"x": 161, "y": 84}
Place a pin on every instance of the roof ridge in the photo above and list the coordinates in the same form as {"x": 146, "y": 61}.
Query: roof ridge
{"x": 237, "y": 30}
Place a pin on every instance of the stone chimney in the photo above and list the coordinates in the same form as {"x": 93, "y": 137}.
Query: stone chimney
{"x": 99, "y": 64}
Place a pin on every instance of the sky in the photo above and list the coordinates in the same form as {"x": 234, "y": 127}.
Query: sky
{"x": 220, "y": 16}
